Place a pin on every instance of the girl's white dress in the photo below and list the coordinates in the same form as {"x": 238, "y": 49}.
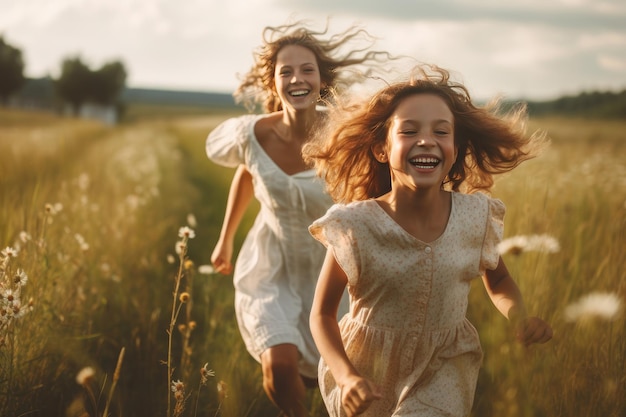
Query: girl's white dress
{"x": 279, "y": 262}
{"x": 407, "y": 328}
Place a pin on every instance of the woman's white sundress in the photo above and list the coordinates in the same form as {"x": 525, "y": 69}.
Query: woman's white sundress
{"x": 407, "y": 328}
{"x": 279, "y": 262}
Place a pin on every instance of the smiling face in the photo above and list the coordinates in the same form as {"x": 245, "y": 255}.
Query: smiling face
{"x": 297, "y": 77}
{"x": 420, "y": 142}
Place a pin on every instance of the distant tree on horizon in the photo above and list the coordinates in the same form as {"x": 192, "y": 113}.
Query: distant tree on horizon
{"x": 11, "y": 70}
{"x": 108, "y": 83}
{"x": 73, "y": 83}
{"x": 78, "y": 84}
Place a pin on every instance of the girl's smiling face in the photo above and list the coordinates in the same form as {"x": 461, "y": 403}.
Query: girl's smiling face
{"x": 297, "y": 77}
{"x": 420, "y": 142}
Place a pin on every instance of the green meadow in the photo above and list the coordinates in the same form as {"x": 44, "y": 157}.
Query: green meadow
{"x": 108, "y": 307}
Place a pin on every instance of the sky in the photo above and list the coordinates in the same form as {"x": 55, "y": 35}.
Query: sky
{"x": 519, "y": 49}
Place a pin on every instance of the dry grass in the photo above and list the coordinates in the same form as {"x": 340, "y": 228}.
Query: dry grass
{"x": 102, "y": 269}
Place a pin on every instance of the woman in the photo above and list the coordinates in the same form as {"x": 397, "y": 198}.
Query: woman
{"x": 278, "y": 264}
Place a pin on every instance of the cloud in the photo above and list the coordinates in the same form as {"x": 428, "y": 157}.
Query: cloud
{"x": 533, "y": 49}
{"x": 612, "y": 63}
{"x": 573, "y": 14}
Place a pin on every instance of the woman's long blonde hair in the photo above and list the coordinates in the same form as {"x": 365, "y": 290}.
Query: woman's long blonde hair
{"x": 257, "y": 85}
{"x": 488, "y": 142}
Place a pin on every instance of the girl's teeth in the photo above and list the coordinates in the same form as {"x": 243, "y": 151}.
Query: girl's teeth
{"x": 425, "y": 162}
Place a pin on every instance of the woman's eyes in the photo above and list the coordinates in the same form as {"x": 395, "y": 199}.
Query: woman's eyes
{"x": 286, "y": 73}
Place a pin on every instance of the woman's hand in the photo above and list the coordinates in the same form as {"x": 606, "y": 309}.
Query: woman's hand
{"x": 221, "y": 256}
{"x": 357, "y": 394}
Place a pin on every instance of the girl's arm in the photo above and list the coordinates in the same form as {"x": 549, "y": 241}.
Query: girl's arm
{"x": 505, "y": 295}
{"x": 239, "y": 197}
{"x": 357, "y": 393}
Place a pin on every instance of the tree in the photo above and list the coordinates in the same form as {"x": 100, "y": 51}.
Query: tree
{"x": 79, "y": 84}
{"x": 74, "y": 82}
{"x": 108, "y": 83}
{"x": 11, "y": 70}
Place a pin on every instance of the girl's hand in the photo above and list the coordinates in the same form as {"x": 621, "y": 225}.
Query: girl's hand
{"x": 221, "y": 256}
{"x": 357, "y": 394}
{"x": 532, "y": 330}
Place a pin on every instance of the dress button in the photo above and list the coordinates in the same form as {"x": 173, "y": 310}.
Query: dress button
{"x": 427, "y": 249}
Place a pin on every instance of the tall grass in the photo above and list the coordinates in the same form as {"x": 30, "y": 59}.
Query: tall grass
{"x": 575, "y": 192}
{"x": 102, "y": 267}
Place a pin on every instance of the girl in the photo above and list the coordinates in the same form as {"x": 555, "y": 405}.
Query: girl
{"x": 279, "y": 261}
{"x": 406, "y": 238}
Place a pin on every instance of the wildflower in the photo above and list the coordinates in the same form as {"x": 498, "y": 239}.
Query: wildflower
{"x": 17, "y": 311}
{"x": 544, "y": 244}
{"x": 514, "y": 245}
{"x": 25, "y": 237}
{"x": 53, "y": 209}
{"x": 191, "y": 220}
{"x": 20, "y": 278}
{"x": 222, "y": 390}
{"x": 85, "y": 375}
{"x": 186, "y": 232}
{"x": 8, "y": 296}
{"x": 178, "y": 386}
{"x": 601, "y": 305}
{"x": 517, "y": 245}
{"x": 206, "y": 269}
{"x": 184, "y": 297}
{"x": 205, "y": 373}
{"x": 84, "y": 246}
{"x": 188, "y": 265}
{"x": 9, "y": 252}
{"x": 170, "y": 258}
{"x": 181, "y": 246}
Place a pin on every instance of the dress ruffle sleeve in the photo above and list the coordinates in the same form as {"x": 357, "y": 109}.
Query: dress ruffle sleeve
{"x": 226, "y": 144}
{"x": 335, "y": 231}
{"x": 493, "y": 234}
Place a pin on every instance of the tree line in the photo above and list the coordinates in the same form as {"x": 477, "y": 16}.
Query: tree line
{"x": 79, "y": 84}
{"x": 605, "y": 105}
{"x": 76, "y": 85}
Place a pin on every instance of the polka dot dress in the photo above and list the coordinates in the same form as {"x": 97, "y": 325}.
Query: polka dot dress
{"x": 406, "y": 329}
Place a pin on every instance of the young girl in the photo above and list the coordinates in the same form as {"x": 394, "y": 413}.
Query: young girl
{"x": 407, "y": 242}
{"x": 279, "y": 261}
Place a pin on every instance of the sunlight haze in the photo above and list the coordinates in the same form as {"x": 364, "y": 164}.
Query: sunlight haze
{"x": 535, "y": 50}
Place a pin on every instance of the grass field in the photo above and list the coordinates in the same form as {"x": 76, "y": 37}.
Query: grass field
{"x": 93, "y": 268}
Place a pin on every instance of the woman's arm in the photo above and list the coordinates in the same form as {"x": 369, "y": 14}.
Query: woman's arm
{"x": 506, "y": 296}
{"x": 239, "y": 197}
{"x": 357, "y": 393}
